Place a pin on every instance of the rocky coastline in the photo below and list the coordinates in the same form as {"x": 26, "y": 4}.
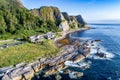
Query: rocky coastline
{"x": 72, "y": 52}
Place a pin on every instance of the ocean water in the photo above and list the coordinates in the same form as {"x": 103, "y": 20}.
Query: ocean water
{"x": 100, "y": 68}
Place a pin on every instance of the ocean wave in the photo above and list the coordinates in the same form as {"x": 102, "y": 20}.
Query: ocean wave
{"x": 109, "y": 55}
{"x": 71, "y": 63}
{"x": 81, "y": 64}
{"x": 86, "y": 38}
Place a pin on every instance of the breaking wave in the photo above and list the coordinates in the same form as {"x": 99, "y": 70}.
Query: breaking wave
{"x": 109, "y": 55}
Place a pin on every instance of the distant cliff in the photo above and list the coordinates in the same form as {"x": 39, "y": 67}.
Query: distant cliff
{"x": 80, "y": 20}
{"x": 74, "y": 21}
{"x": 65, "y": 22}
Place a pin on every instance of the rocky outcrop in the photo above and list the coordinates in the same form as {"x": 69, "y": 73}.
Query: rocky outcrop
{"x": 75, "y": 75}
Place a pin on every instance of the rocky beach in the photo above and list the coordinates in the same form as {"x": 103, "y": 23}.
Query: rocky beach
{"x": 75, "y": 51}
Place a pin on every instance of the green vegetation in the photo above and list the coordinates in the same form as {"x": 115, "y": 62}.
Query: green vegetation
{"x": 71, "y": 26}
{"x": 17, "y": 21}
{"x": 63, "y": 21}
{"x": 47, "y": 13}
{"x": 26, "y": 53}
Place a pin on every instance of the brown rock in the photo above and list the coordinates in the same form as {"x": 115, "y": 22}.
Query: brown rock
{"x": 28, "y": 75}
{"x": 54, "y": 69}
{"x": 58, "y": 77}
{"x": 86, "y": 66}
{"x": 79, "y": 57}
{"x": 67, "y": 71}
{"x": 18, "y": 77}
{"x": 14, "y": 74}
{"x": 78, "y": 74}
{"x": 36, "y": 67}
{"x": 6, "y": 77}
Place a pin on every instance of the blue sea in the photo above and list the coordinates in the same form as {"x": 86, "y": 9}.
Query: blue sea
{"x": 103, "y": 69}
{"x": 98, "y": 68}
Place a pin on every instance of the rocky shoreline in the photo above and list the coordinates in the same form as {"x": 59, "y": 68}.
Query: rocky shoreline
{"x": 73, "y": 52}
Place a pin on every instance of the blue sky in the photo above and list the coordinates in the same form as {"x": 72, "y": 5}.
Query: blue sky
{"x": 91, "y": 10}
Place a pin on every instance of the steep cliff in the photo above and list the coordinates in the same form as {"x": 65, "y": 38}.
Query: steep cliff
{"x": 53, "y": 14}
{"x": 63, "y": 20}
{"x": 66, "y": 16}
{"x": 63, "y": 24}
{"x": 80, "y": 20}
{"x": 74, "y": 21}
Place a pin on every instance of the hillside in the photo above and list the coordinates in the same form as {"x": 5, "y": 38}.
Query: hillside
{"x": 17, "y": 21}
{"x": 47, "y": 13}
{"x": 55, "y": 15}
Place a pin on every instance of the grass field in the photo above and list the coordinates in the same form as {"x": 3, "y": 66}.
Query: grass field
{"x": 26, "y": 53}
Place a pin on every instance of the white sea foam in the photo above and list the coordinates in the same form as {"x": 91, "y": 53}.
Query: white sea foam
{"x": 85, "y": 38}
{"x": 60, "y": 71}
{"x": 70, "y": 63}
{"x": 80, "y": 64}
{"x": 103, "y": 50}
{"x": 71, "y": 75}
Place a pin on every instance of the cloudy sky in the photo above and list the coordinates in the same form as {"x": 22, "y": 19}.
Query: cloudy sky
{"x": 91, "y": 10}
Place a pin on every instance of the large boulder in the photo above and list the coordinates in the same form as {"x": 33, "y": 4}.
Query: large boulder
{"x": 75, "y": 75}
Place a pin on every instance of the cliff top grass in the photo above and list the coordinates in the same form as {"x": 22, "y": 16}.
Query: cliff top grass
{"x": 26, "y": 53}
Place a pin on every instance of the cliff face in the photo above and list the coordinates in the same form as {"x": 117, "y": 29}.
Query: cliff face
{"x": 80, "y": 20}
{"x": 53, "y": 14}
{"x": 47, "y": 13}
{"x": 66, "y": 16}
{"x": 65, "y": 22}
{"x": 74, "y": 21}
